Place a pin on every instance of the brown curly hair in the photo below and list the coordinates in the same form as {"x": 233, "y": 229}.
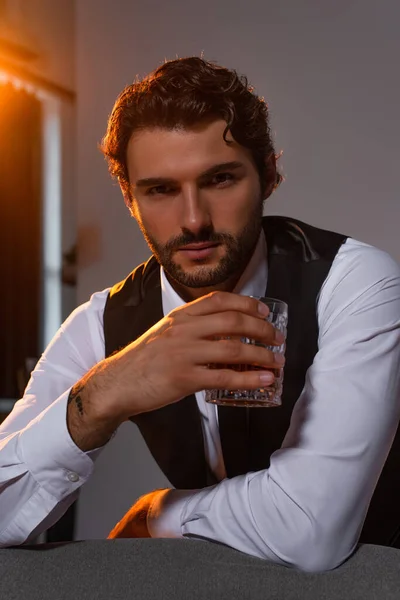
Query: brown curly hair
{"x": 182, "y": 93}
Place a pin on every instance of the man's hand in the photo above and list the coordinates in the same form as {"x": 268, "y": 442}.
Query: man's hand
{"x": 134, "y": 522}
{"x": 170, "y": 361}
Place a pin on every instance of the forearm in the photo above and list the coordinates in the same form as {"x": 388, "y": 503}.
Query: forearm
{"x": 91, "y": 418}
{"x": 306, "y": 511}
{"x": 258, "y": 516}
{"x": 31, "y": 513}
{"x": 255, "y": 515}
{"x": 41, "y": 471}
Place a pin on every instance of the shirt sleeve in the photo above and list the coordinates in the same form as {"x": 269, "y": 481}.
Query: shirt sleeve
{"x": 41, "y": 468}
{"x": 308, "y": 508}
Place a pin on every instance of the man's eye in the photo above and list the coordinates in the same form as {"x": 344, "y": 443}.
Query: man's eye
{"x": 158, "y": 190}
{"x": 222, "y": 178}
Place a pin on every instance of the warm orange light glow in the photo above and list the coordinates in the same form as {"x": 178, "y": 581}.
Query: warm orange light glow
{"x": 14, "y": 103}
{"x": 21, "y": 75}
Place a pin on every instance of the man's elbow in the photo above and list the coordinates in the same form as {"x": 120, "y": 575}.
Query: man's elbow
{"x": 319, "y": 560}
{"x": 306, "y": 553}
{"x": 16, "y": 536}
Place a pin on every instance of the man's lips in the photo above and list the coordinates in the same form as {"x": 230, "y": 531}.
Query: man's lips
{"x": 199, "y": 250}
{"x": 199, "y": 246}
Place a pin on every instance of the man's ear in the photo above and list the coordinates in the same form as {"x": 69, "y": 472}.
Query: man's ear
{"x": 271, "y": 180}
{"x": 129, "y": 203}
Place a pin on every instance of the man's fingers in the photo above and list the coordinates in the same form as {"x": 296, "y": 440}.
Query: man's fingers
{"x": 235, "y": 352}
{"x": 218, "y": 302}
{"x": 237, "y": 324}
{"x": 228, "y": 379}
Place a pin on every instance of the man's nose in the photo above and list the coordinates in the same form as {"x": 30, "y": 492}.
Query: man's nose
{"x": 195, "y": 210}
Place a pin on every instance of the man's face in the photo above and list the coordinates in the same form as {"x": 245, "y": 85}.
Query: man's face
{"x": 198, "y": 203}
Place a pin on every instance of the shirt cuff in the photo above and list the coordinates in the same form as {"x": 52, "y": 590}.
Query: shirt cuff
{"x": 50, "y": 454}
{"x": 164, "y": 517}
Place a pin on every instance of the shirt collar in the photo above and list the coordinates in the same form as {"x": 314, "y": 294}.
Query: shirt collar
{"x": 253, "y": 281}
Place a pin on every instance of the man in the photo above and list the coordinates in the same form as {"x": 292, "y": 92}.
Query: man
{"x": 192, "y": 151}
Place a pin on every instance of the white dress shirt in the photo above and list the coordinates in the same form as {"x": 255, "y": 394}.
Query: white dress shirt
{"x": 306, "y": 509}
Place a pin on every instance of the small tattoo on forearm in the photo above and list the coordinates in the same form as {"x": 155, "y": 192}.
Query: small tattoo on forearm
{"x": 75, "y": 396}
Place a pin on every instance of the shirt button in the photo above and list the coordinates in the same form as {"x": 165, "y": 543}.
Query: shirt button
{"x": 73, "y": 477}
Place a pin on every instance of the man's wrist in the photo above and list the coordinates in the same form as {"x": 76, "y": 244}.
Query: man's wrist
{"x": 50, "y": 455}
{"x": 164, "y": 517}
{"x": 89, "y": 426}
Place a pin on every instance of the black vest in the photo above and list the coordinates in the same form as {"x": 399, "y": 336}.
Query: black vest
{"x": 299, "y": 260}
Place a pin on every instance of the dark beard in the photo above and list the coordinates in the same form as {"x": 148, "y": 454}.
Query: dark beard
{"x": 239, "y": 250}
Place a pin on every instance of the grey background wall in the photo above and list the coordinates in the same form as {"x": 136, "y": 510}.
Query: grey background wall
{"x": 330, "y": 73}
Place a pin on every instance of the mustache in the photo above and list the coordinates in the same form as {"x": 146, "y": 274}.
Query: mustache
{"x": 204, "y": 235}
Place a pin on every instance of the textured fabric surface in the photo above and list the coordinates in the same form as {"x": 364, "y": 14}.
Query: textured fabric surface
{"x": 185, "y": 569}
